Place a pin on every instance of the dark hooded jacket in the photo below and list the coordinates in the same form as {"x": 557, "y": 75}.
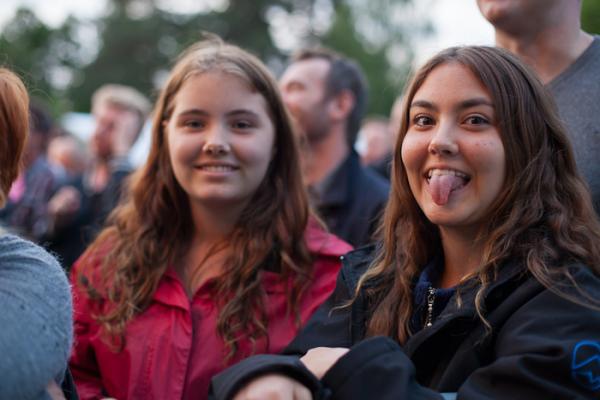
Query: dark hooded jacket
{"x": 541, "y": 346}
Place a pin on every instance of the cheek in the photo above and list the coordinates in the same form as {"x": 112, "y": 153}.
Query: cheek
{"x": 489, "y": 155}
{"x": 413, "y": 152}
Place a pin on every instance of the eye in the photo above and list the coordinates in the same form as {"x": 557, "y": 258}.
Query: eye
{"x": 242, "y": 124}
{"x": 422, "y": 120}
{"x": 477, "y": 120}
{"x": 194, "y": 124}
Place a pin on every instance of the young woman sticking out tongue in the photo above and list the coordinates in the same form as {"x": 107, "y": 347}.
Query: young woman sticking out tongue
{"x": 486, "y": 284}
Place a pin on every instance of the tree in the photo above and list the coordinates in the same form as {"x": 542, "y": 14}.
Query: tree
{"x": 43, "y": 56}
{"x": 590, "y": 16}
{"x": 136, "y": 42}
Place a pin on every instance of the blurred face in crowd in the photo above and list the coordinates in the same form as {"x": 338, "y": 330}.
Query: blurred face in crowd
{"x": 220, "y": 139}
{"x": 452, "y": 151}
{"x": 303, "y": 88}
{"x": 116, "y": 130}
{"x": 374, "y": 141}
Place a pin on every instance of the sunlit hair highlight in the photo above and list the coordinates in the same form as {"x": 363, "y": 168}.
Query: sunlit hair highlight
{"x": 543, "y": 218}
{"x": 151, "y": 229}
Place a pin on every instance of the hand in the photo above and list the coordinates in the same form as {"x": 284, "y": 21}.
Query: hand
{"x": 54, "y": 391}
{"x": 273, "y": 387}
{"x": 320, "y": 359}
{"x": 64, "y": 205}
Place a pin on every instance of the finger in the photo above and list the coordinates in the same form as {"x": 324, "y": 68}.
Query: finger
{"x": 301, "y": 392}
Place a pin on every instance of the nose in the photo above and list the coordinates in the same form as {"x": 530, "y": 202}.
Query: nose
{"x": 216, "y": 143}
{"x": 443, "y": 142}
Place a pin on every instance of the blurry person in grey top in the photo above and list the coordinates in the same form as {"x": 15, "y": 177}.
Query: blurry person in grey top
{"x": 567, "y": 60}
{"x": 36, "y": 317}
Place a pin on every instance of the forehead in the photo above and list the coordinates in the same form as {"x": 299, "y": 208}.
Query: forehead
{"x": 309, "y": 71}
{"x": 216, "y": 89}
{"x": 106, "y": 109}
{"x": 450, "y": 81}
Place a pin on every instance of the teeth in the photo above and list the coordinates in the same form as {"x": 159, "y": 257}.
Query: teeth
{"x": 217, "y": 168}
{"x": 439, "y": 172}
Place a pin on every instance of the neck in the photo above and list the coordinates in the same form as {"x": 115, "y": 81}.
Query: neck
{"x": 207, "y": 250}
{"x": 213, "y": 222}
{"x": 552, "y": 47}
{"x": 324, "y": 156}
{"x": 462, "y": 255}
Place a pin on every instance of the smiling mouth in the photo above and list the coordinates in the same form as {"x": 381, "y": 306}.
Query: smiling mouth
{"x": 217, "y": 168}
{"x": 442, "y": 182}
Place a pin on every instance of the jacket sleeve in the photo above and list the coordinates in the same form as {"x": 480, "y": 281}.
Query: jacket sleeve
{"x": 329, "y": 326}
{"x": 36, "y": 325}
{"x": 549, "y": 348}
{"x": 83, "y": 365}
{"x": 375, "y": 367}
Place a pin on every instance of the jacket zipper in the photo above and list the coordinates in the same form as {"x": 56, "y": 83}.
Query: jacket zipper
{"x": 430, "y": 300}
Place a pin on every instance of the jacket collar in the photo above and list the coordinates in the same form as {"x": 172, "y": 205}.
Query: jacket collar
{"x": 508, "y": 277}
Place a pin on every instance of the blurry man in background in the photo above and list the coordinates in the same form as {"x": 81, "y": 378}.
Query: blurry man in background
{"x": 547, "y": 35}
{"x": 326, "y": 94}
{"x": 80, "y": 211}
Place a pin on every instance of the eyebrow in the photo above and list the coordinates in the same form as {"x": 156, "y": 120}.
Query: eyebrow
{"x": 197, "y": 111}
{"x": 477, "y": 101}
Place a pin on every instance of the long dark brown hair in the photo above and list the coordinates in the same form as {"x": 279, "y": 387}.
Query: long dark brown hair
{"x": 543, "y": 217}
{"x": 151, "y": 228}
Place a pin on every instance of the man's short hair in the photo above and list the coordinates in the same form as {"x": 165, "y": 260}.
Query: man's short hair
{"x": 122, "y": 96}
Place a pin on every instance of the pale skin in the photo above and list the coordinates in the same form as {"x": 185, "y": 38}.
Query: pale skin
{"x": 549, "y": 43}
{"x": 452, "y": 126}
{"x": 220, "y": 146}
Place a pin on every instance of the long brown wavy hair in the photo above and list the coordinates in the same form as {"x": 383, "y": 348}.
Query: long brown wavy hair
{"x": 543, "y": 217}
{"x": 152, "y": 226}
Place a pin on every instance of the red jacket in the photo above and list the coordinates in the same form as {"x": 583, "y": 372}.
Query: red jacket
{"x": 172, "y": 348}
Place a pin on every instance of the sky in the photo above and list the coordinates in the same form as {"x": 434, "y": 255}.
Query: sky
{"x": 455, "y": 22}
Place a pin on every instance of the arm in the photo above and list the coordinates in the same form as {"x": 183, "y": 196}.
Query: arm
{"x": 549, "y": 348}
{"x": 36, "y": 322}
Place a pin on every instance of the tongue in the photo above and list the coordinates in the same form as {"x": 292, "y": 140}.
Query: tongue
{"x": 440, "y": 187}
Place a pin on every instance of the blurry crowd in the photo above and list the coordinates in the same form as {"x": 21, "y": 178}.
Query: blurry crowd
{"x": 278, "y": 243}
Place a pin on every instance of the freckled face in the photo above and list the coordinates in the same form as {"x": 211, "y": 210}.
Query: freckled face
{"x": 220, "y": 139}
{"x": 452, "y": 151}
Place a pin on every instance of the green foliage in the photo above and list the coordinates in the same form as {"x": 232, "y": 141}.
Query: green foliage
{"x": 64, "y": 66}
{"x": 590, "y": 16}
{"x": 42, "y": 56}
{"x": 373, "y": 59}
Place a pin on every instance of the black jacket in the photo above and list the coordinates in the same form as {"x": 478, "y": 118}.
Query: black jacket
{"x": 353, "y": 201}
{"x": 541, "y": 347}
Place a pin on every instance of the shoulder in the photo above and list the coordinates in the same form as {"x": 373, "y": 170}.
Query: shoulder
{"x": 356, "y": 263}
{"x": 36, "y": 299}
{"x": 570, "y": 305}
{"x": 25, "y": 263}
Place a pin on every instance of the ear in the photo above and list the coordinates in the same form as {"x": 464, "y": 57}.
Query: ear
{"x": 341, "y": 105}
